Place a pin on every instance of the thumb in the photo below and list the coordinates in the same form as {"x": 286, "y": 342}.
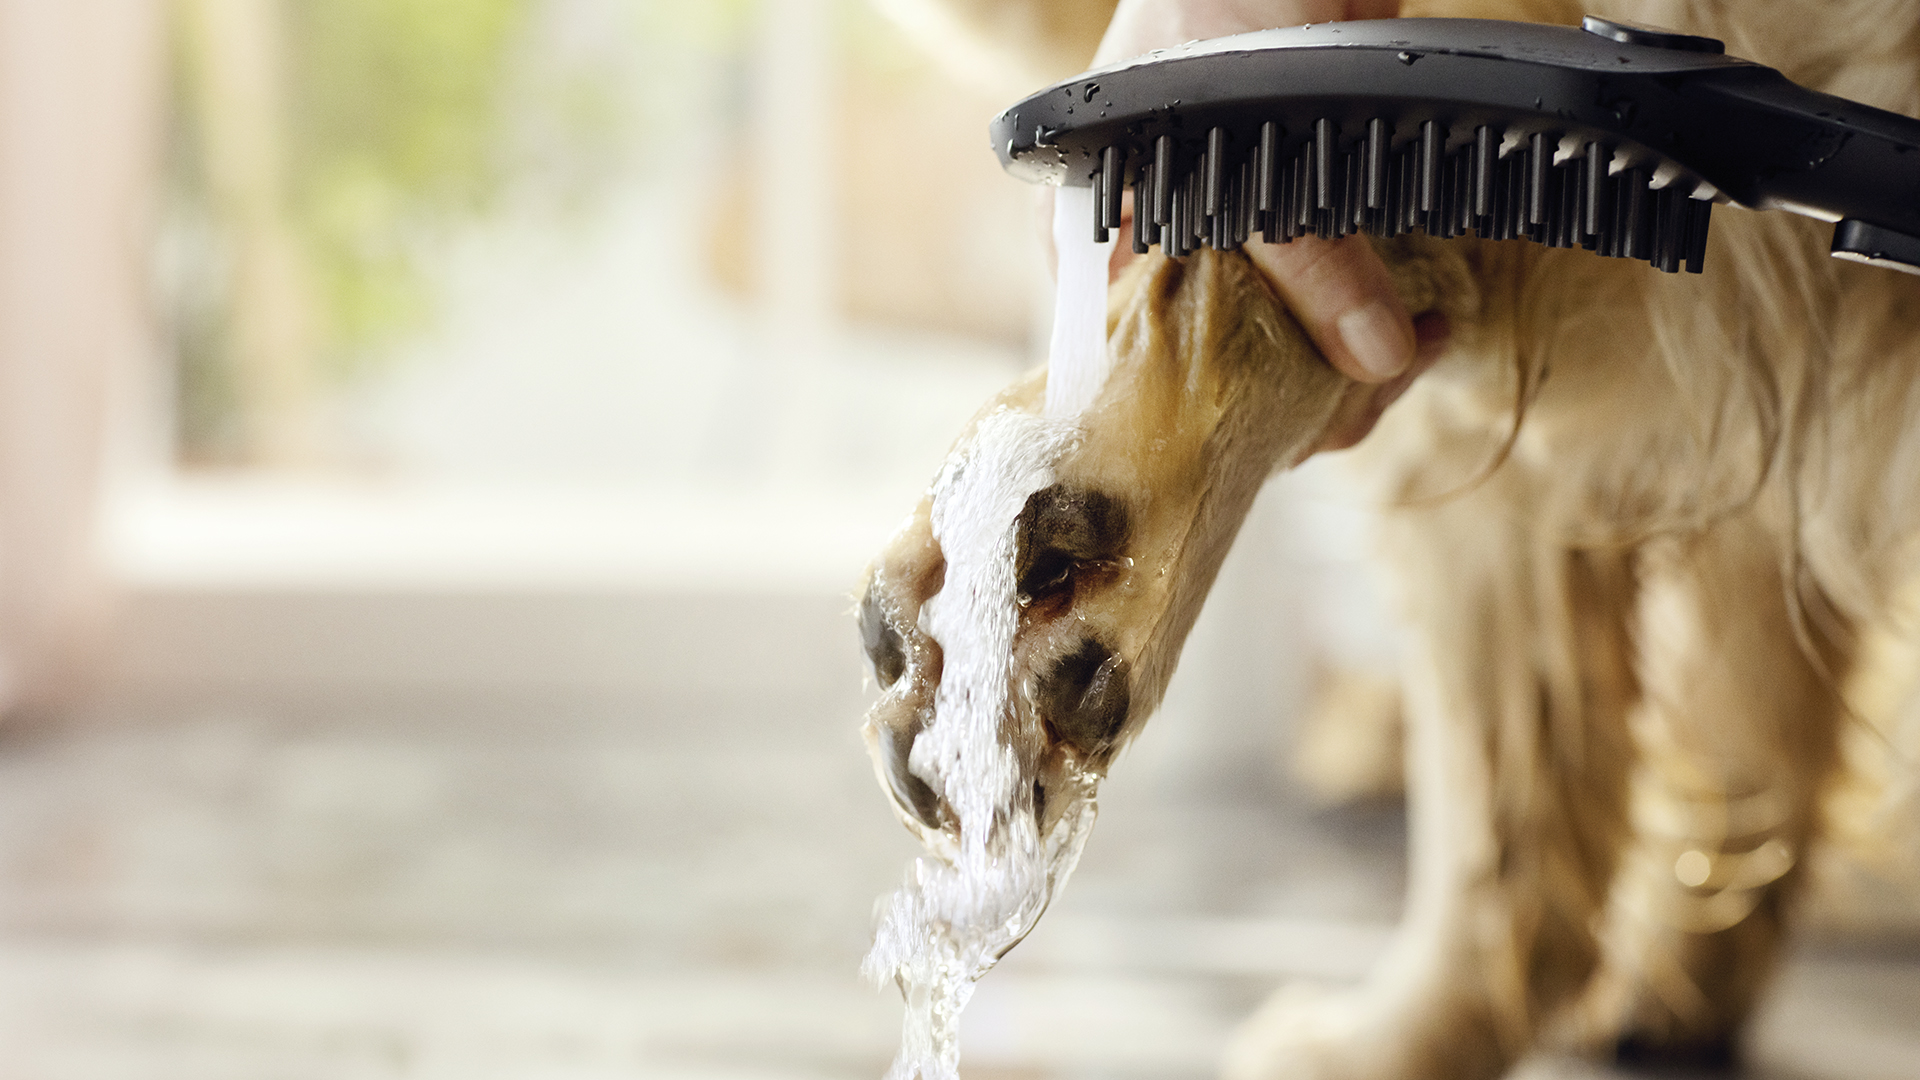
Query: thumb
{"x": 1344, "y": 297}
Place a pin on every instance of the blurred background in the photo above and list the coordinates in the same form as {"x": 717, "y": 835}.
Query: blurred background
{"x": 438, "y": 443}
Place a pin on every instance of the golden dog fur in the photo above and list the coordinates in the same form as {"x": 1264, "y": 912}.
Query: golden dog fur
{"x": 1640, "y": 525}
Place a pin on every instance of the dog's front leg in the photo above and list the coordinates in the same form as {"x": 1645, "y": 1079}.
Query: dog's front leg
{"x": 1518, "y": 756}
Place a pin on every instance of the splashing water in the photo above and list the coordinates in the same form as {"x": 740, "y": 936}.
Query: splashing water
{"x": 972, "y": 899}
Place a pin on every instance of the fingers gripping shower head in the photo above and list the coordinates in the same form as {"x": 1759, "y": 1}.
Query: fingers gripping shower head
{"x": 1612, "y": 137}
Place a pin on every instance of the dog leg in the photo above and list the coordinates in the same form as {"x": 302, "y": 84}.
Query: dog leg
{"x": 1518, "y": 757}
{"x": 1738, "y": 732}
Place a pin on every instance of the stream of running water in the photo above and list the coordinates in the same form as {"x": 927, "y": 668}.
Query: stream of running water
{"x": 974, "y": 896}
{"x": 1077, "y": 358}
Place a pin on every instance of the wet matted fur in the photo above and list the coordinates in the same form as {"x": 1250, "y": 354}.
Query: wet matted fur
{"x": 1638, "y": 523}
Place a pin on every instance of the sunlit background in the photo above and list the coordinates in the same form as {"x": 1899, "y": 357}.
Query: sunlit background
{"x": 438, "y": 443}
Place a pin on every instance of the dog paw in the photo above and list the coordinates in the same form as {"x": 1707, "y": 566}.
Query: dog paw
{"x": 1304, "y": 1033}
{"x": 1711, "y": 1050}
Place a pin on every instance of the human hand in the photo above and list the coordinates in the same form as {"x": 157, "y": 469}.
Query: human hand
{"x": 1339, "y": 290}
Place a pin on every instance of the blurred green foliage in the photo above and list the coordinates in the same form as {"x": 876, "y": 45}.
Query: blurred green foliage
{"x": 401, "y": 123}
{"x": 395, "y": 115}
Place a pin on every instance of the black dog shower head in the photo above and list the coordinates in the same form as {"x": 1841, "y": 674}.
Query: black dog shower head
{"x": 1612, "y": 137}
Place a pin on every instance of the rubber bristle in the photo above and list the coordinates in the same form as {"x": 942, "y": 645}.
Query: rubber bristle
{"x": 1332, "y": 182}
{"x": 1698, "y": 213}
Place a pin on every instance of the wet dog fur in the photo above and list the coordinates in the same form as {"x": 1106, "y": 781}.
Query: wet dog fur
{"x": 1638, "y": 524}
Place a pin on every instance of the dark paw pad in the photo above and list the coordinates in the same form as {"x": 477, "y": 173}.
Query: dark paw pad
{"x": 1062, "y": 528}
{"x": 1084, "y": 699}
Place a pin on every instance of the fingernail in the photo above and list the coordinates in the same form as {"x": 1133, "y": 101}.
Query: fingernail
{"x": 1377, "y": 339}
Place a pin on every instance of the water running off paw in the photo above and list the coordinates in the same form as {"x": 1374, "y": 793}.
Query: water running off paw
{"x": 974, "y": 896}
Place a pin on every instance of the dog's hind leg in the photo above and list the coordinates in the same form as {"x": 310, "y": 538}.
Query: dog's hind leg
{"x": 1518, "y": 757}
{"x": 1738, "y": 733}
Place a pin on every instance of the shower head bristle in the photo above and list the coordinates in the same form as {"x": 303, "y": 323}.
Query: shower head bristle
{"x": 1612, "y": 137}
